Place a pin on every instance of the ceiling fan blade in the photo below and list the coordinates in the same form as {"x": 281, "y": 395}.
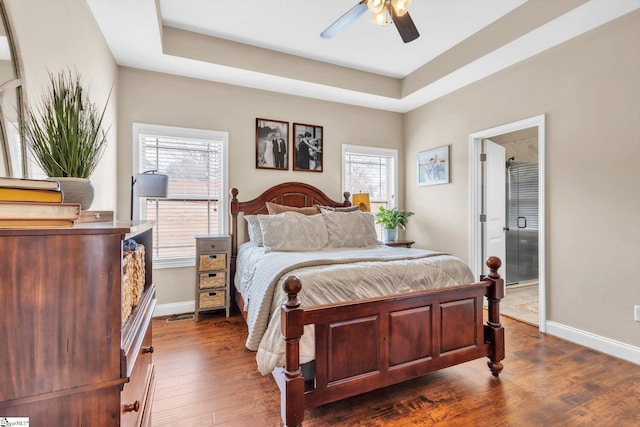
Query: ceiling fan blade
{"x": 405, "y": 26}
{"x": 346, "y": 19}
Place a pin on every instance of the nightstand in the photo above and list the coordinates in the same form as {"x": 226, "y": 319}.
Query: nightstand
{"x": 400, "y": 243}
{"x": 212, "y": 273}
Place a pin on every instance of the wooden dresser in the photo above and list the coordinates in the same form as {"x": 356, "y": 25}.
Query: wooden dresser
{"x": 66, "y": 359}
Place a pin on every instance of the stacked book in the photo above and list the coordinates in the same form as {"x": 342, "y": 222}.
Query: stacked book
{"x": 34, "y": 203}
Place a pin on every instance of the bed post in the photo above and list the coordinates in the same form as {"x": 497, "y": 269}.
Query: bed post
{"x": 233, "y": 227}
{"x": 292, "y": 397}
{"x": 494, "y": 330}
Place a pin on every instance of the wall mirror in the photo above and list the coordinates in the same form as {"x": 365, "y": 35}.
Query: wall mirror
{"x": 13, "y": 159}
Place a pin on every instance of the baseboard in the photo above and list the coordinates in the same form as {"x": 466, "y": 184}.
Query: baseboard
{"x": 174, "y": 308}
{"x": 605, "y": 345}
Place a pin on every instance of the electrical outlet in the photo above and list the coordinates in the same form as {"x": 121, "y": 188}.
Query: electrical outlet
{"x": 636, "y": 315}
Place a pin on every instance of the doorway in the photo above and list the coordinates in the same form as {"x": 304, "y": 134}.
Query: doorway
{"x": 509, "y": 221}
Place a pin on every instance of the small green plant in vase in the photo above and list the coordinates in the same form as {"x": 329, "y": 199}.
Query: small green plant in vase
{"x": 391, "y": 219}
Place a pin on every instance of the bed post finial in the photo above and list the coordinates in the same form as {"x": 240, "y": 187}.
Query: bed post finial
{"x": 494, "y": 263}
{"x": 292, "y": 323}
{"x": 495, "y": 331}
{"x": 292, "y": 286}
{"x": 347, "y": 198}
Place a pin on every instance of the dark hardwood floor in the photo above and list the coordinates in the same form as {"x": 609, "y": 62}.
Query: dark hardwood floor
{"x": 205, "y": 377}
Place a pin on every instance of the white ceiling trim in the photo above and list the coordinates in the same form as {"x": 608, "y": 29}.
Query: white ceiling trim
{"x": 122, "y": 21}
{"x": 570, "y": 25}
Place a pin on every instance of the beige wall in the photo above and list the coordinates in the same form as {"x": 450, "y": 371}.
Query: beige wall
{"x": 53, "y": 36}
{"x": 148, "y": 97}
{"x": 589, "y": 90}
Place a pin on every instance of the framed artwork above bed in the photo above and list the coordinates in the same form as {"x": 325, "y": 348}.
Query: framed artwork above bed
{"x": 272, "y": 144}
{"x": 307, "y": 153}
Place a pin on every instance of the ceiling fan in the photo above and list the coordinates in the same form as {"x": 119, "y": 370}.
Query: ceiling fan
{"x": 384, "y": 12}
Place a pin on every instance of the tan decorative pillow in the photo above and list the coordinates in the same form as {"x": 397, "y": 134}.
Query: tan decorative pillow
{"x": 274, "y": 209}
{"x": 350, "y": 229}
{"x": 338, "y": 209}
{"x": 291, "y": 231}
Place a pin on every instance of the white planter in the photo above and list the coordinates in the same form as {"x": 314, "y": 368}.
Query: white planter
{"x": 389, "y": 234}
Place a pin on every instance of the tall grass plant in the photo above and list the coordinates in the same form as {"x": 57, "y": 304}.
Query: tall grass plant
{"x": 64, "y": 130}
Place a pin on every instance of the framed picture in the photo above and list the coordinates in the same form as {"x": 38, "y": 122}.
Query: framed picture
{"x": 433, "y": 166}
{"x": 272, "y": 144}
{"x": 307, "y": 144}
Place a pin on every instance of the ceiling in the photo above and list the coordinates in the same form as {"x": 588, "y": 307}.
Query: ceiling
{"x": 294, "y": 27}
{"x": 276, "y": 45}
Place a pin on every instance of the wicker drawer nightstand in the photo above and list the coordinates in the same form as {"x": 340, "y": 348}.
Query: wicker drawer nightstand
{"x": 212, "y": 274}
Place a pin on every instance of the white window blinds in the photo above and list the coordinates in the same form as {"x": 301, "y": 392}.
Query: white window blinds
{"x": 196, "y": 203}
{"x": 370, "y": 170}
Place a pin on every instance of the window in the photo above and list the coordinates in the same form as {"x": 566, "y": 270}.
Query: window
{"x": 371, "y": 170}
{"x": 197, "y": 204}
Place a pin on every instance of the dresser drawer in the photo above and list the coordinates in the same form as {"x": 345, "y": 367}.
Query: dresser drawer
{"x": 217, "y": 279}
{"x": 137, "y": 394}
{"x": 135, "y": 331}
{"x": 213, "y": 245}
{"x": 212, "y": 299}
{"x": 213, "y": 262}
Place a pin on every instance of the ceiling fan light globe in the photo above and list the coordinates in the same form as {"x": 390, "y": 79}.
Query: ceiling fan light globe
{"x": 380, "y": 18}
{"x": 401, "y": 6}
{"x": 375, "y": 6}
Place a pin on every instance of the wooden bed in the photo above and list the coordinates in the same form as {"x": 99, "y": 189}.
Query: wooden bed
{"x": 362, "y": 346}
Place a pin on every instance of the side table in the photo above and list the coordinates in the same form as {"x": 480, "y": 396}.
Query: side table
{"x": 400, "y": 243}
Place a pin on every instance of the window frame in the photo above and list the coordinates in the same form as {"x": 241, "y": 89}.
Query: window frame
{"x": 373, "y": 151}
{"x": 139, "y": 205}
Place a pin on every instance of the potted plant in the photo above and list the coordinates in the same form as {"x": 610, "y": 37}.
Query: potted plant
{"x": 64, "y": 133}
{"x": 391, "y": 219}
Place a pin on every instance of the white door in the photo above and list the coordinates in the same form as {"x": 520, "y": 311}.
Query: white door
{"x": 495, "y": 243}
{"x": 477, "y": 230}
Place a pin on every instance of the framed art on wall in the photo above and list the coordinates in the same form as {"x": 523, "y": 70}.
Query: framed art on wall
{"x": 433, "y": 166}
{"x": 307, "y": 153}
{"x": 272, "y": 144}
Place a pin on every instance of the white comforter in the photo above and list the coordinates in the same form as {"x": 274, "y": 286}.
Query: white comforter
{"x": 330, "y": 276}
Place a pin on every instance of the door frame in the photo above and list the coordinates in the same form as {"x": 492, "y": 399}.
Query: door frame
{"x": 475, "y": 203}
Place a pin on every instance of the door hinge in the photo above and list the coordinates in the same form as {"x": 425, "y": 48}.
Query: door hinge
{"x": 483, "y": 218}
{"x": 483, "y": 157}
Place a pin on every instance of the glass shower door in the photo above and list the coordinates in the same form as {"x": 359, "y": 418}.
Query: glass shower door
{"x": 522, "y": 222}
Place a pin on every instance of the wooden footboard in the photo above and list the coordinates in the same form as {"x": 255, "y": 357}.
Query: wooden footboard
{"x": 367, "y": 345}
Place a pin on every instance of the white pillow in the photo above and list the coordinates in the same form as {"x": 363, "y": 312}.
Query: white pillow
{"x": 351, "y": 229}
{"x": 291, "y": 231}
{"x": 254, "y": 230}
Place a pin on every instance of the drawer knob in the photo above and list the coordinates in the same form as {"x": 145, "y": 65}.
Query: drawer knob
{"x": 131, "y": 407}
{"x": 147, "y": 349}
